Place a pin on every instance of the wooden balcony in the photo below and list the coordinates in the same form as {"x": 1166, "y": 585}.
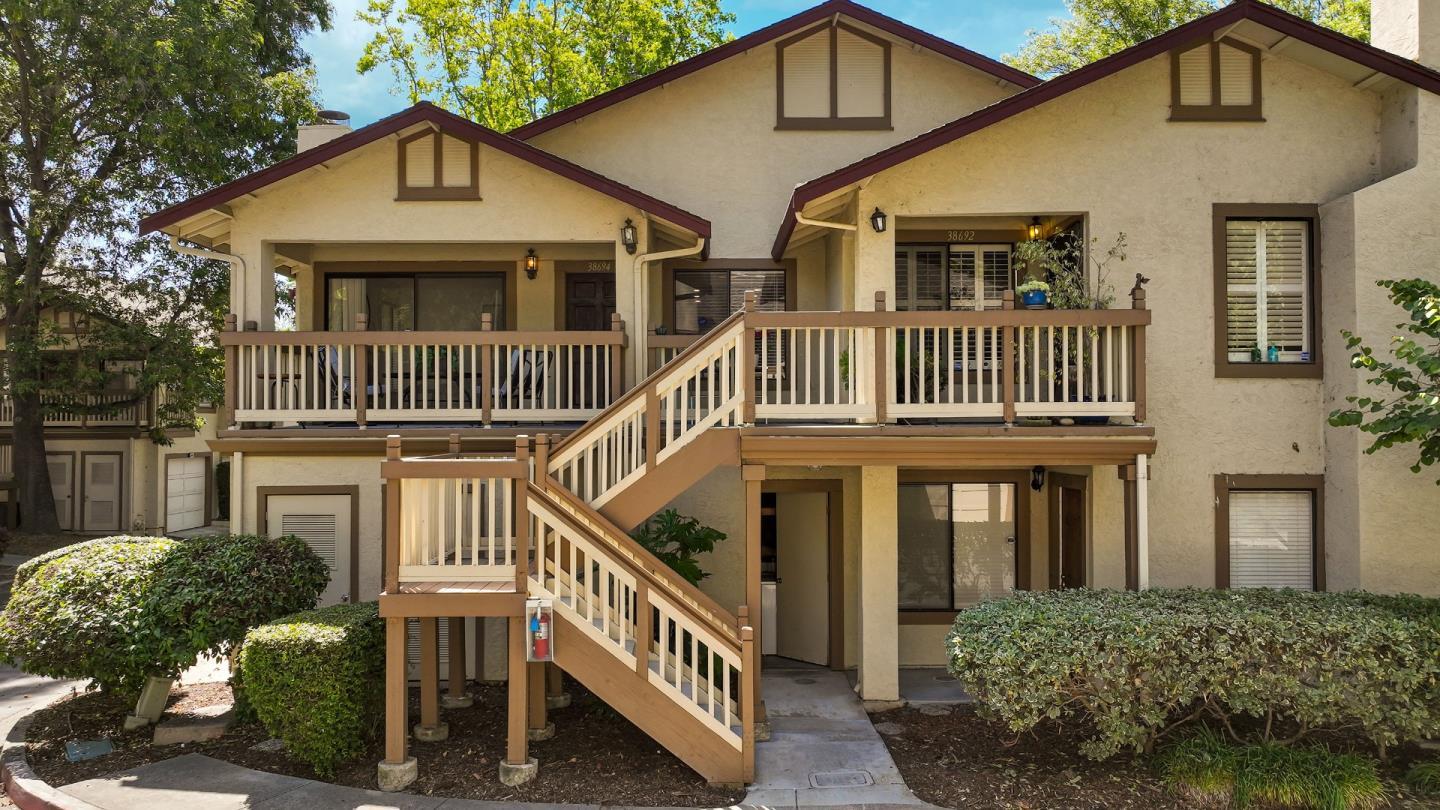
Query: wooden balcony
{"x": 360, "y": 376}
{"x": 119, "y": 409}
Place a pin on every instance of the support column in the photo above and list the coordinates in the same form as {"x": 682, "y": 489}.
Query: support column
{"x": 555, "y": 695}
{"x": 456, "y": 695}
{"x": 518, "y": 767}
{"x": 430, "y": 729}
{"x": 754, "y": 478}
{"x": 398, "y": 769}
{"x": 538, "y": 726}
{"x": 879, "y": 586}
{"x": 1142, "y": 520}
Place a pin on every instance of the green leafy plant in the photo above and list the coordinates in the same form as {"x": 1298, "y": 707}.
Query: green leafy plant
{"x": 1208, "y": 767}
{"x": 1410, "y": 414}
{"x": 120, "y": 609}
{"x": 1132, "y": 666}
{"x": 317, "y": 681}
{"x": 1424, "y": 778}
{"x": 677, "y": 541}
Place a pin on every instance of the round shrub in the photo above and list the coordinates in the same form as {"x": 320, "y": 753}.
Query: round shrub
{"x": 119, "y": 609}
{"x": 317, "y": 681}
{"x": 1131, "y": 665}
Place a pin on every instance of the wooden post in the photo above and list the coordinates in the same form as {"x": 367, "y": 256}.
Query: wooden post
{"x": 231, "y": 392}
{"x": 749, "y": 700}
{"x": 748, "y": 363}
{"x": 754, "y": 477}
{"x": 1007, "y": 362}
{"x": 522, "y": 521}
{"x": 487, "y": 370}
{"x": 453, "y": 446}
{"x": 882, "y": 351}
{"x": 517, "y": 743}
{"x": 456, "y": 691}
{"x": 1137, "y": 361}
{"x": 554, "y": 681}
{"x": 535, "y": 671}
{"x": 652, "y": 427}
{"x": 429, "y": 672}
{"x": 396, "y": 723}
{"x": 1132, "y": 525}
{"x": 392, "y": 520}
{"x": 479, "y": 645}
{"x": 644, "y": 633}
{"x": 617, "y": 359}
{"x": 360, "y": 376}
{"x": 542, "y": 457}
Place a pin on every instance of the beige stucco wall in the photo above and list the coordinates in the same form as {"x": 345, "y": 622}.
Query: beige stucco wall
{"x": 1131, "y": 171}
{"x": 707, "y": 142}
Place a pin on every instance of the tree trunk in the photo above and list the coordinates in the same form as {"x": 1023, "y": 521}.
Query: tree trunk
{"x": 32, "y": 472}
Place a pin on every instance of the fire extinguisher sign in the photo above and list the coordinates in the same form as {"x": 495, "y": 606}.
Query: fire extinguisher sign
{"x": 539, "y": 630}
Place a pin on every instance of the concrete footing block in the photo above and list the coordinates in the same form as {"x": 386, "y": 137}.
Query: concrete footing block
{"x": 396, "y": 776}
{"x": 435, "y": 733}
{"x": 877, "y": 706}
{"x": 538, "y": 734}
{"x": 515, "y": 775}
{"x": 559, "y": 701}
{"x": 762, "y": 731}
{"x": 134, "y": 722}
{"x": 456, "y": 702}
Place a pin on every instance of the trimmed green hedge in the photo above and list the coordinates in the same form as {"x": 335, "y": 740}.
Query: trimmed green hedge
{"x": 118, "y": 609}
{"x": 317, "y": 681}
{"x": 1132, "y": 664}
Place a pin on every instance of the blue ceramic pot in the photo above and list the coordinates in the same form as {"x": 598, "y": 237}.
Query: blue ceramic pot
{"x": 1034, "y": 298}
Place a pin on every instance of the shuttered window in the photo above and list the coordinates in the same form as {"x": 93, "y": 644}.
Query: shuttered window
{"x": 1215, "y": 81}
{"x": 833, "y": 76}
{"x": 1272, "y": 539}
{"x": 438, "y": 166}
{"x": 1268, "y": 291}
{"x": 704, "y": 298}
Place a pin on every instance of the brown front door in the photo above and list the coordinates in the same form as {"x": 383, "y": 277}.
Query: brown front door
{"x": 589, "y": 301}
{"x": 1068, "y": 528}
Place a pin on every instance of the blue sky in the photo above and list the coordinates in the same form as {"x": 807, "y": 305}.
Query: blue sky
{"x": 992, "y": 27}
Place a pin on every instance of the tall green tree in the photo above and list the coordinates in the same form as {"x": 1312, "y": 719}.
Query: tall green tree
{"x": 1097, "y": 28}
{"x": 110, "y": 109}
{"x": 504, "y": 63}
{"x": 1405, "y": 408}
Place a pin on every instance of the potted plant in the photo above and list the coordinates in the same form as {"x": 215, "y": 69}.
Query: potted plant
{"x": 1035, "y": 294}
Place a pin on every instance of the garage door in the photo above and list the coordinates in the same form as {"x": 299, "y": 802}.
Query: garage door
{"x": 185, "y": 493}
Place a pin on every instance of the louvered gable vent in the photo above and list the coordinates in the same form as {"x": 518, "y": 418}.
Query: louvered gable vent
{"x": 833, "y": 76}
{"x": 438, "y": 166}
{"x": 1215, "y": 81}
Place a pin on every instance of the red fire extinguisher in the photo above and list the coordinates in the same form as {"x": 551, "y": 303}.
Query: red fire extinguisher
{"x": 540, "y": 633}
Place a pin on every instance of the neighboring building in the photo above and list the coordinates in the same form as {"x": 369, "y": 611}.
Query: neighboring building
{"x": 107, "y": 473}
{"x": 865, "y": 430}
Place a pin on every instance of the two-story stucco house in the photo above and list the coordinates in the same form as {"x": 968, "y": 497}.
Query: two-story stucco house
{"x": 774, "y": 287}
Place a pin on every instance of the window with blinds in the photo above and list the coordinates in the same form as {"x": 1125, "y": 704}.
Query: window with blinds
{"x": 704, "y": 298}
{"x": 438, "y": 166}
{"x": 833, "y": 76}
{"x": 1272, "y": 539}
{"x": 1215, "y": 81}
{"x": 1268, "y": 291}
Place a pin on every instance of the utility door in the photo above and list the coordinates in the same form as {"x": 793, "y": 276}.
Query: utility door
{"x": 185, "y": 493}
{"x": 62, "y": 485}
{"x": 323, "y": 522}
{"x": 100, "y": 506}
{"x": 802, "y": 589}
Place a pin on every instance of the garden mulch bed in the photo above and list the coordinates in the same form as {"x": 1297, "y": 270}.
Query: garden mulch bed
{"x": 596, "y": 755}
{"x": 960, "y": 760}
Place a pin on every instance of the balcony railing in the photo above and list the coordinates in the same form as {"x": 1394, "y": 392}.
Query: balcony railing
{"x": 94, "y": 410}
{"x": 362, "y": 376}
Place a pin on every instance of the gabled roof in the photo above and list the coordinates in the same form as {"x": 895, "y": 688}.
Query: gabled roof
{"x": 1289, "y": 25}
{"x": 810, "y": 16}
{"x": 423, "y": 112}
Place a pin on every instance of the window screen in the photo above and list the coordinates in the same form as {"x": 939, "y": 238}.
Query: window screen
{"x": 957, "y": 544}
{"x": 704, "y": 298}
{"x": 427, "y": 302}
{"x": 1272, "y": 539}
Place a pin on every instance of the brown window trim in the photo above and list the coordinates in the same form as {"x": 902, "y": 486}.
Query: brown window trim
{"x": 1021, "y": 480}
{"x": 832, "y": 121}
{"x": 1226, "y": 483}
{"x": 1215, "y": 111}
{"x": 439, "y": 191}
{"x": 1224, "y": 367}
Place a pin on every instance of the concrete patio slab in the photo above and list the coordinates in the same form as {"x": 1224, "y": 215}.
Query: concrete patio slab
{"x": 192, "y": 781}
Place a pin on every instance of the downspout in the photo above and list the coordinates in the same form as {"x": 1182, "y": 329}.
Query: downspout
{"x": 237, "y": 271}
{"x": 642, "y": 298}
{"x": 825, "y": 223}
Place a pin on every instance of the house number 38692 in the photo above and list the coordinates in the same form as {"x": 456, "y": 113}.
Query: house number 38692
{"x": 960, "y": 236}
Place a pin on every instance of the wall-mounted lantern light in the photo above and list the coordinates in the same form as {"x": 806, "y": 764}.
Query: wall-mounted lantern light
{"x": 1034, "y": 229}
{"x": 532, "y": 264}
{"x": 1037, "y": 478}
{"x": 629, "y": 237}
{"x": 877, "y": 220}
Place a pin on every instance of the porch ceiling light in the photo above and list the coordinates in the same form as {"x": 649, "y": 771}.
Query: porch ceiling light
{"x": 532, "y": 264}
{"x": 877, "y": 220}
{"x": 1035, "y": 228}
{"x": 629, "y": 237}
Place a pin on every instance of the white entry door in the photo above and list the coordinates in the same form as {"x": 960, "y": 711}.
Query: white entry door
{"x": 62, "y": 485}
{"x": 100, "y": 488}
{"x": 185, "y": 493}
{"x": 323, "y": 522}
{"x": 802, "y": 564}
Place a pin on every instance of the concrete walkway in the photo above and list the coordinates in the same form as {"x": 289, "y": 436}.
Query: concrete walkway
{"x": 823, "y": 750}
